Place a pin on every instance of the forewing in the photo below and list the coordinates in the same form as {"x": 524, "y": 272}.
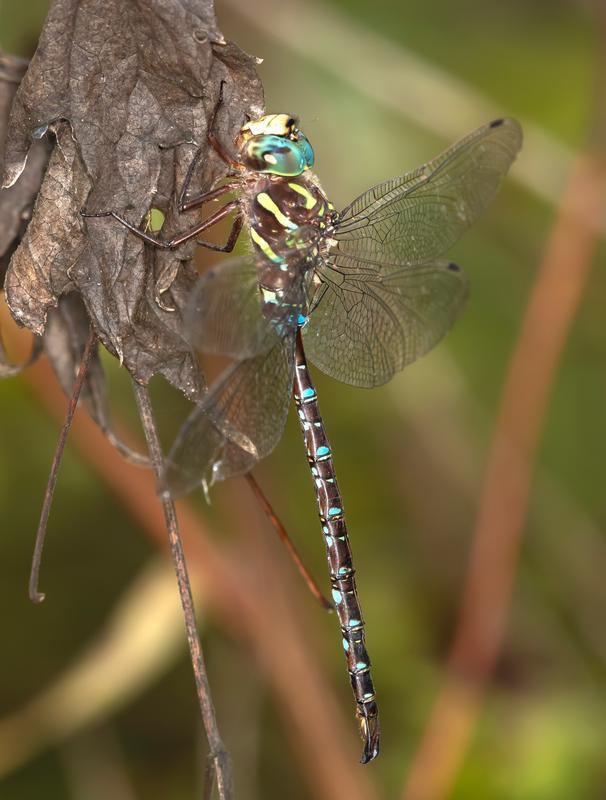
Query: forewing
{"x": 364, "y": 327}
{"x": 238, "y": 423}
{"x": 417, "y": 217}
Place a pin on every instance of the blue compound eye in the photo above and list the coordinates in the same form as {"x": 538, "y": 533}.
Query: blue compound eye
{"x": 278, "y": 155}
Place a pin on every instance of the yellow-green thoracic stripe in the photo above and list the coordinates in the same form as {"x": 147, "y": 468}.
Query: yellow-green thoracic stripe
{"x": 265, "y": 248}
{"x": 310, "y": 200}
{"x": 268, "y": 204}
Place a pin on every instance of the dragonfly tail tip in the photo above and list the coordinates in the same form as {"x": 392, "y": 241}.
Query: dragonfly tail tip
{"x": 369, "y": 728}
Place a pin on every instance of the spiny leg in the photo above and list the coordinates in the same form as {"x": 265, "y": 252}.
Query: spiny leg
{"x": 181, "y": 238}
{"x": 206, "y": 197}
{"x": 231, "y": 239}
{"x": 194, "y": 162}
{"x": 188, "y": 176}
{"x": 195, "y": 202}
{"x": 223, "y": 153}
{"x": 338, "y": 551}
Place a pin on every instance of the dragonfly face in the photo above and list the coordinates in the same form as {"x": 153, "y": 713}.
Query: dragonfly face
{"x": 273, "y": 144}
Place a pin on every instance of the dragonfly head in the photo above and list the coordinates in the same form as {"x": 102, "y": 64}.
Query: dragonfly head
{"x": 275, "y": 144}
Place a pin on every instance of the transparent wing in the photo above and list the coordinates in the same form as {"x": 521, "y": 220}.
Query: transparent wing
{"x": 239, "y": 421}
{"x": 365, "y": 327}
{"x": 241, "y": 418}
{"x": 383, "y": 298}
{"x": 223, "y": 314}
{"x": 417, "y": 217}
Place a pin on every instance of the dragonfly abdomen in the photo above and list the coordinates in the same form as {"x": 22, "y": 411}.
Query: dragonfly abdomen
{"x": 342, "y": 573}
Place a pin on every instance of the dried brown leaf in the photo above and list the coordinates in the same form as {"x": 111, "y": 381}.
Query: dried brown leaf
{"x": 16, "y": 203}
{"x": 126, "y": 90}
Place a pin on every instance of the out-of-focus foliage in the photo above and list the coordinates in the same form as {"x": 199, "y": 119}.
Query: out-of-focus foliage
{"x": 409, "y": 458}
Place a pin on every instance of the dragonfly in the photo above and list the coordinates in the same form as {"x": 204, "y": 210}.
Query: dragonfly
{"x": 361, "y": 293}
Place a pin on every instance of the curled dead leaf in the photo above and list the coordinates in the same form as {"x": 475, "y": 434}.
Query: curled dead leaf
{"x": 133, "y": 88}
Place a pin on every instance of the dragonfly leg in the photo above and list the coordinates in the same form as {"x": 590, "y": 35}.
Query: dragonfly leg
{"x": 223, "y": 153}
{"x": 180, "y": 238}
{"x": 185, "y": 205}
{"x": 199, "y": 200}
{"x": 231, "y": 239}
{"x": 188, "y": 176}
{"x": 214, "y": 142}
{"x": 288, "y": 543}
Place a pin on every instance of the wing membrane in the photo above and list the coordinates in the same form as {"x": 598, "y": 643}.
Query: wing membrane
{"x": 366, "y": 327}
{"x": 418, "y": 216}
{"x": 223, "y": 314}
{"x": 242, "y": 417}
{"x": 238, "y": 423}
{"x": 383, "y": 297}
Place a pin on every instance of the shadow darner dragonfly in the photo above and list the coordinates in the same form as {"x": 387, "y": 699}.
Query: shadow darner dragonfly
{"x": 361, "y": 293}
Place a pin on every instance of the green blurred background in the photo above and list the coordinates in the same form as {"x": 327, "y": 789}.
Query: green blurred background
{"x": 409, "y": 455}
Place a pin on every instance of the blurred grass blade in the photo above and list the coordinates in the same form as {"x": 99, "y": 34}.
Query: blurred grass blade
{"x": 404, "y": 83}
{"x": 109, "y": 672}
{"x": 508, "y": 479}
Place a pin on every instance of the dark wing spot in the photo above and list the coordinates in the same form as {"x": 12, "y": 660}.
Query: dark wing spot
{"x": 454, "y": 267}
{"x": 496, "y": 123}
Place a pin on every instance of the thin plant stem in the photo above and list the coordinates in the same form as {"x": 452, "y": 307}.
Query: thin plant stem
{"x": 288, "y": 543}
{"x": 218, "y": 756}
{"x": 34, "y": 594}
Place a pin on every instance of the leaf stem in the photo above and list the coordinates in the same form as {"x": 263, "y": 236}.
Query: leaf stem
{"x": 218, "y": 755}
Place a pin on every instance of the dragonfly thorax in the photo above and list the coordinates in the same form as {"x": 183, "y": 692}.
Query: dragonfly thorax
{"x": 278, "y": 210}
{"x": 273, "y": 144}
